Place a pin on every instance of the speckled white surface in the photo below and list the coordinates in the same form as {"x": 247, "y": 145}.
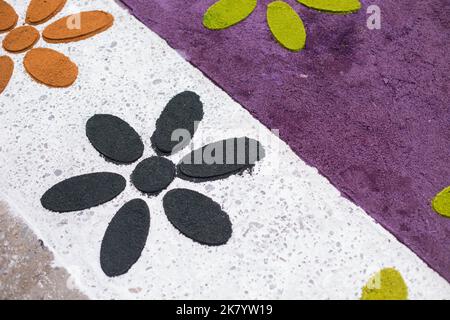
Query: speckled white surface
{"x": 294, "y": 236}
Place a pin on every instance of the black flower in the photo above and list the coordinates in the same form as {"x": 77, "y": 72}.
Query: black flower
{"x": 193, "y": 214}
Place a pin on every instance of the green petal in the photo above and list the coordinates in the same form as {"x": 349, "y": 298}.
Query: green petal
{"x": 226, "y": 13}
{"x": 441, "y": 203}
{"x": 286, "y": 25}
{"x": 387, "y": 284}
{"x": 333, "y": 6}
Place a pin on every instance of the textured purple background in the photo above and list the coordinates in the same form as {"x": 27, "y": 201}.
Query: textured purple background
{"x": 369, "y": 109}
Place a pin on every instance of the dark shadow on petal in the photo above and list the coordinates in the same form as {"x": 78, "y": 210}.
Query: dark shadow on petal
{"x": 197, "y": 217}
{"x": 83, "y": 192}
{"x": 177, "y": 123}
{"x": 125, "y": 238}
{"x": 221, "y": 159}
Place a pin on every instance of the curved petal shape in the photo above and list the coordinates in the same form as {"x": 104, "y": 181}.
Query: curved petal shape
{"x": 50, "y": 67}
{"x": 441, "y": 203}
{"x": 114, "y": 138}
{"x": 197, "y": 217}
{"x": 21, "y": 39}
{"x": 333, "y": 6}
{"x": 83, "y": 192}
{"x": 226, "y": 13}
{"x": 8, "y": 16}
{"x": 6, "y": 71}
{"x": 40, "y": 11}
{"x": 78, "y": 26}
{"x": 286, "y": 26}
{"x": 177, "y": 123}
{"x": 125, "y": 238}
{"x": 220, "y": 159}
{"x": 387, "y": 284}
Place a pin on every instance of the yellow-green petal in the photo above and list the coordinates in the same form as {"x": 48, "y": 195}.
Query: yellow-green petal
{"x": 286, "y": 25}
{"x": 226, "y": 13}
{"x": 333, "y": 6}
{"x": 441, "y": 203}
{"x": 387, "y": 284}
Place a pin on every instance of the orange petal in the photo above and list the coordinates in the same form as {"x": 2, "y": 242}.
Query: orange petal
{"x": 50, "y": 67}
{"x": 40, "y": 11}
{"x": 8, "y": 17}
{"x": 21, "y": 39}
{"x": 6, "y": 70}
{"x": 78, "y": 26}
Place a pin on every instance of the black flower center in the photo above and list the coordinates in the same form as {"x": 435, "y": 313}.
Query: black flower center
{"x": 153, "y": 175}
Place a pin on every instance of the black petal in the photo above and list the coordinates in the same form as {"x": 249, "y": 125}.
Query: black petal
{"x": 83, "y": 192}
{"x": 125, "y": 238}
{"x": 197, "y": 217}
{"x": 153, "y": 175}
{"x": 114, "y": 138}
{"x": 180, "y": 113}
{"x": 221, "y": 159}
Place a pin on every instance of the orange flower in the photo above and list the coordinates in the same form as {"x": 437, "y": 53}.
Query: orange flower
{"x": 46, "y": 66}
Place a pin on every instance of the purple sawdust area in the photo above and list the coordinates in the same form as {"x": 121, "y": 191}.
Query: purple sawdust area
{"x": 368, "y": 108}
